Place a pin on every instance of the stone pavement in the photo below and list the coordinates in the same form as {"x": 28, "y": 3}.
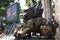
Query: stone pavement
{"x": 7, "y": 37}
{"x": 35, "y": 39}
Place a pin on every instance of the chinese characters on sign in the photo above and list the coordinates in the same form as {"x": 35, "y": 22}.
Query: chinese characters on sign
{"x": 12, "y": 12}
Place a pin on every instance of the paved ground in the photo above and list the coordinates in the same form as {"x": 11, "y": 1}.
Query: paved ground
{"x": 7, "y": 38}
{"x": 11, "y": 37}
{"x": 35, "y": 39}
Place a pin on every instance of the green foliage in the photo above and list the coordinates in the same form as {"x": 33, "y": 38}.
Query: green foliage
{"x": 53, "y": 7}
{"x": 21, "y": 10}
{"x": 3, "y": 5}
{"x": 28, "y": 2}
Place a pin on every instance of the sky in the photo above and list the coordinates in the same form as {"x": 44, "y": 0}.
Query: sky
{"x": 22, "y": 3}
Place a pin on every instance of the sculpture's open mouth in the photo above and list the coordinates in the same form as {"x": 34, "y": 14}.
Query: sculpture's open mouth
{"x": 20, "y": 32}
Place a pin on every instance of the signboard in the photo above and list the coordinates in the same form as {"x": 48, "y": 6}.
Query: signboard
{"x": 12, "y": 12}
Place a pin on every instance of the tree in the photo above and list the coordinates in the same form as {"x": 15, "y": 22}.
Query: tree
{"x": 3, "y": 5}
{"x": 57, "y": 17}
{"x": 47, "y": 9}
